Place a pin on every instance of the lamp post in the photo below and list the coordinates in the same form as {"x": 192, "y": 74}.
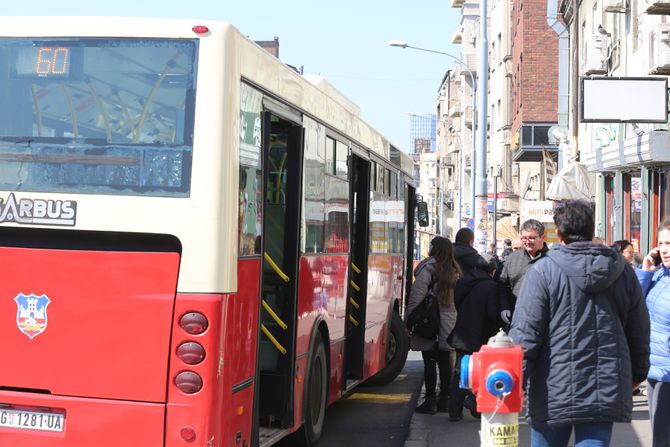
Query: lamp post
{"x": 473, "y": 82}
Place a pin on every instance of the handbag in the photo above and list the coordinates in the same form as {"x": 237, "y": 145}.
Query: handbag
{"x": 424, "y": 320}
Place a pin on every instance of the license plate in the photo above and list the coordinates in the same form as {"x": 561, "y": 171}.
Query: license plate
{"x": 32, "y": 420}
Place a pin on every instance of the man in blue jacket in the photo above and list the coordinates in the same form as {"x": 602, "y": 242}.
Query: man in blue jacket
{"x": 583, "y": 324}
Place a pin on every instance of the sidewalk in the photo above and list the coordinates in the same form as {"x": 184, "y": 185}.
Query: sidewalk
{"x": 436, "y": 430}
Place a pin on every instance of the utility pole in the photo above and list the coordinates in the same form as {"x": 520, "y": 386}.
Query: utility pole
{"x": 481, "y": 212}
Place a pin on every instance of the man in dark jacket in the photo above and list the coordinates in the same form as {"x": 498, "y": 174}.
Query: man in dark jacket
{"x": 583, "y": 324}
{"x": 478, "y": 299}
{"x": 466, "y": 256}
{"x": 519, "y": 261}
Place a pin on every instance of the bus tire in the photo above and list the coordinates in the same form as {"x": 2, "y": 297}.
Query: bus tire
{"x": 396, "y": 353}
{"x": 316, "y": 395}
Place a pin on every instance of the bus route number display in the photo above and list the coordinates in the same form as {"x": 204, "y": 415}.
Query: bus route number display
{"x": 43, "y": 62}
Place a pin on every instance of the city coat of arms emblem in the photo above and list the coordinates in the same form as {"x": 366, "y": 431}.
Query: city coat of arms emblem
{"x": 31, "y": 317}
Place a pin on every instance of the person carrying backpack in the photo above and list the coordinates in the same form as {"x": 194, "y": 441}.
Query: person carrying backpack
{"x": 437, "y": 274}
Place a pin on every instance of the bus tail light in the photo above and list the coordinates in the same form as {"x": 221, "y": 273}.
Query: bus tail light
{"x": 187, "y": 434}
{"x": 188, "y": 382}
{"x": 200, "y": 29}
{"x": 191, "y": 353}
{"x": 194, "y": 323}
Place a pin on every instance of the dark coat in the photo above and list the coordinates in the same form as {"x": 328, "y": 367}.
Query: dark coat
{"x": 468, "y": 258}
{"x": 479, "y": 300}
{"x": 423, "y": 276}
{"x": 516, "y": 265}
{"x": 581, "y": 355}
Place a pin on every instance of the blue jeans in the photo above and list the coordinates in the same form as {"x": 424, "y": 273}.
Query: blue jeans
{"x": 595, "y": 434}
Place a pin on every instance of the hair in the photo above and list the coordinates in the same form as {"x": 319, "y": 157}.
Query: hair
{"x": 508, "y": 242}
{"x": 621, "y": 245}
{"x": 447, "y": 270}
{"x": 665, "y": 224}
{"x": 574, "y": 220}
{"x": 465, "y": 236}
{"x": 533, "y": 225}
{"x": 491, "y": 263}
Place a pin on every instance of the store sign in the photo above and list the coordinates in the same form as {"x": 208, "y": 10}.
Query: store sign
{"x": 540, "y": 210}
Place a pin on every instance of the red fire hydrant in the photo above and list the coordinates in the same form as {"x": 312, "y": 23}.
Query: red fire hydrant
{"x": 494, "y": 374}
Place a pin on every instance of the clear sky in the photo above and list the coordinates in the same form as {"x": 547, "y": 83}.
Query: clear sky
{"x": 344, "y": 41}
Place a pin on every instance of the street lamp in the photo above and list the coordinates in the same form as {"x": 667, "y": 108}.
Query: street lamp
{"x": 403, "y": 44}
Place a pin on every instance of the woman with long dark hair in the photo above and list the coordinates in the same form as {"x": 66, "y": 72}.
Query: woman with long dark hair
{"x": 438, "y": 273}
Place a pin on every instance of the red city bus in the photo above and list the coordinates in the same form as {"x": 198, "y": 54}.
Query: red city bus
{"x": 200, "y": 246}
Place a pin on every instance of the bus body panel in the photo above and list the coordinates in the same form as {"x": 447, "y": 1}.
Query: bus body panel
{"x": 88, "y": 422}
{"x": 100, "y": 321}
{"x": 241, "y": 324}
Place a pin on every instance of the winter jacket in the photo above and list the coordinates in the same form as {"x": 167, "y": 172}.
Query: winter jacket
{"x": 423, "y": 277}
{"x": 516, "y": 265}
{"x": 656, "y": 287}
{"x": 468, "y": 258}
{"x": 581, "y": 355}
{"x": 478, "y": 301}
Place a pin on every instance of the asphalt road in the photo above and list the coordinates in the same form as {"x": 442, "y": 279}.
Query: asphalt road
{"x": 373, "y": 415}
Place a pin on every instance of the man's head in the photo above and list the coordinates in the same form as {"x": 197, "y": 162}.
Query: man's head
{"x": 465, "y": 236}
{"x": 664, "y": 241}
{"x": 532, "y": 236}
{"x": 491, "y": 263}
{"x": 507, "y": 242}
{"x": 574, "y": 221}
{"x": 492, "y": 247}
{"x": 517, "y": 244}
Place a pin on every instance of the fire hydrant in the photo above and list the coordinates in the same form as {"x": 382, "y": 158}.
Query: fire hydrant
{"x": 494, "y": 374}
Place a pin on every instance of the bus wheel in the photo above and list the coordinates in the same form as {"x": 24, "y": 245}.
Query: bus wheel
{"x": 396, "y": 353}
{"x": 316, "y": 394}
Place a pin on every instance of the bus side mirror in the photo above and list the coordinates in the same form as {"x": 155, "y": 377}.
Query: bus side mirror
{"x": 422, "y": 213}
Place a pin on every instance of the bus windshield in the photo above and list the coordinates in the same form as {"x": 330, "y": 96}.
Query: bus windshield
{"x": 97, "y": 116}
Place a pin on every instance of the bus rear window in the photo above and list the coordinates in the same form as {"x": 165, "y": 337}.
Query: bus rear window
{"x": 97, "y": 116}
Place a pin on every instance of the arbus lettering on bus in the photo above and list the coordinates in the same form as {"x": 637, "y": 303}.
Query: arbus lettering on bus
{"x": 37, "y": 211}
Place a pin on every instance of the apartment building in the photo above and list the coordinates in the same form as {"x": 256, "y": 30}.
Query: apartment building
{"x": 622, "y": 38}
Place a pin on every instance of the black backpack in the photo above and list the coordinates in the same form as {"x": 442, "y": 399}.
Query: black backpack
{"x": 424, "y": 320}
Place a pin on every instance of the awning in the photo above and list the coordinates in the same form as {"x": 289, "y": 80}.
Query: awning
{"x": 505, "y": 229}
{"x": 571, "y": 182}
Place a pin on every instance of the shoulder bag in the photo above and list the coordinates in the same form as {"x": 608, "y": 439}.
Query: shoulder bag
{"x": 424, "y": 320}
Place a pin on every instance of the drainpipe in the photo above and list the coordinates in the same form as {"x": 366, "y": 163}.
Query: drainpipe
{"x": 563, "y": 72}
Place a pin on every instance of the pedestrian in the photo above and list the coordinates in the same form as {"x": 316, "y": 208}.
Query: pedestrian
{"x": 626, "y": 249}
{"x": 439, "y": 273}
{"x": 654, "y": 278}
{"x": 517, "y": 244}
{"x": 583, "y": 324}
{"x": 478, "y": 298}
{"x": 507, "y": 250}
{"x": 534, "y": 248}
{"x": 464, "y": 252}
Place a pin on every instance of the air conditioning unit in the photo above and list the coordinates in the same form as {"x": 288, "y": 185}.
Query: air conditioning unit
{"x": 658, "y": 7}
{"x": 660, "y": 49}
{"x": 596, "y": 56}
{"x": 615, "y": 6}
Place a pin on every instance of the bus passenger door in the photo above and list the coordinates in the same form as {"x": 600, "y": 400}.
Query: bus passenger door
{"x": 282, "y": 154}
{"x": 356, "y": 300}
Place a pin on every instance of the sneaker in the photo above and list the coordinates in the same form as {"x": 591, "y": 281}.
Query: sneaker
{"x": 429, "y": 406}
{"x": 455, "y": 418}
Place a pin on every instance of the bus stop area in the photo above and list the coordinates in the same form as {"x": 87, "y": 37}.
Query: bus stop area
{"x": 436, "y": 430}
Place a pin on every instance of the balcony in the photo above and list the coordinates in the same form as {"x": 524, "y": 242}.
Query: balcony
{"x": 467, "y": 117}
{"x": 471, "y": 62}
{"x": 454, "y": 107}
{"x": 457, "y": 37}
{"x": 457, "y": 3}
{"x": 533, "y": 138}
